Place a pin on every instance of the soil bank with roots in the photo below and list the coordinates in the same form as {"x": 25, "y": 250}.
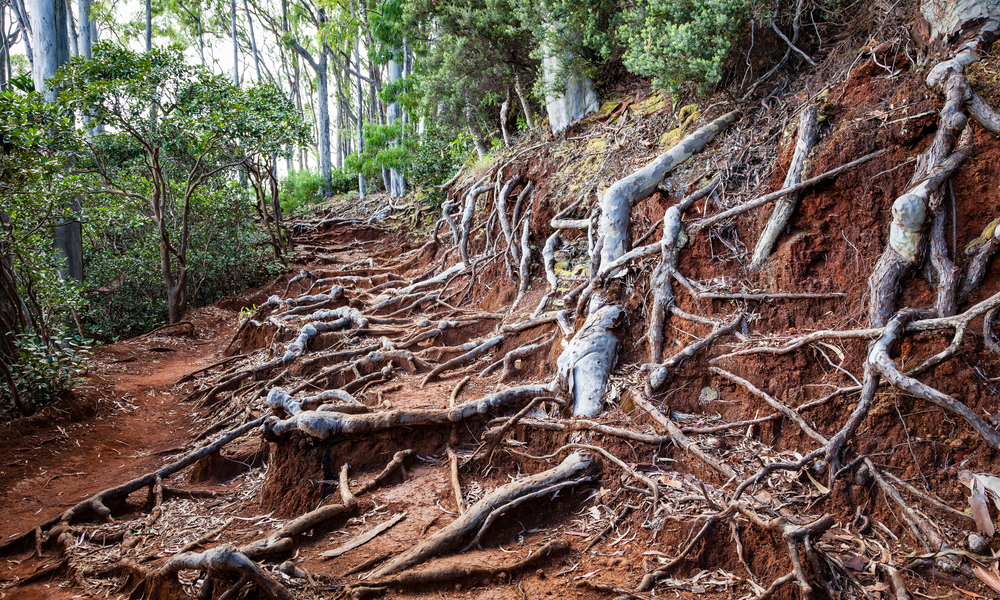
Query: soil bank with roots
{"x": 743, "y": 350}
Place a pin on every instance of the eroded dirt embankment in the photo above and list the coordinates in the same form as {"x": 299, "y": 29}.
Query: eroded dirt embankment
{"x": 390, "y": 326}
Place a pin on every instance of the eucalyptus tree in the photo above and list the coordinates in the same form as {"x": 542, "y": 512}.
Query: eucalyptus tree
{"x": 50, "y": 42}
{"x": 315, "y": 17}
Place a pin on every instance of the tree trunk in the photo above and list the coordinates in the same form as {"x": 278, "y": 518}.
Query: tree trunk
{"x": 51, "y": 43}
{"x": 525, "y": 105}
{"x": 504, "y": 114}
{"x": 362, "y": 192}
{"x": 71, "y": 31}
{"x": 4, "y": 51}
{"x": 253, "y": 39}
{"x": 236, "y": 45}
{"x": 323, "y": 118}
{"x": 21, "y": 14}
{"x": 149, "y": 26}
{"x": 338, "y": 125}
{"x": 86, "y": 25}
{"x": 397, "y": 185}
{"x": 477, "y": 135}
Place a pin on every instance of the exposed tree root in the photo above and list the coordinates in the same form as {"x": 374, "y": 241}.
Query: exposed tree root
{"x": 576, "y": 466}
{"x": 408, "y": 579}
{"x": 323, "y": 425}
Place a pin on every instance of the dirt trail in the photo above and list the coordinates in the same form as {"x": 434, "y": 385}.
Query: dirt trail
{"x": 125, "y": 420}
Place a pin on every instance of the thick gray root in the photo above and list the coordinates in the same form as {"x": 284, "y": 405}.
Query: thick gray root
{"x": 909, "y": 216}
{"x": 574, "y": 466}
{"x": 467, "y": 214}
{"x": 324, "y": 425}
{"x": 525, "y": 266}
{"x": 501, "y": 207}
{"x": 879, "y": 359}
{"x": 944, "y": 267}
{"x": 784, "y": 207}
{"x": 585, "y": 365}
{"x": 617, "y": 203}
{"x": 226, "y": 559}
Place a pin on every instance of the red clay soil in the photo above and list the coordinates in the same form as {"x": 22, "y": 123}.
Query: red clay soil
{"x": 128, "y": 420}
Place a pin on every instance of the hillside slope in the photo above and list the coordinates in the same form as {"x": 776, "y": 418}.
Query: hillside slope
{"x": 581, "y": 382}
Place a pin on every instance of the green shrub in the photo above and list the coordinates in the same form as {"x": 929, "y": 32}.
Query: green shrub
{"x": 300, "y": 188}
{"x": 43, "y": 371}
{"x": 679, "y": 42}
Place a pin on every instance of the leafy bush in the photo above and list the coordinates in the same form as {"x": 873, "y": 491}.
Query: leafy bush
{"x": 300, "y": 188}
{"x": 679, "y": 42}
{"x": 43, "y": 371}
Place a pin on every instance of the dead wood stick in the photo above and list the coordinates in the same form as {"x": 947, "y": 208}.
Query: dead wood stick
{"x": 779, "y": 406}
{"x": 455, "y": 572}
{"x": 362, "y": 539}
{"x": 702, "y": 224}
{"x": 395, "y": 463}
{"x": 468, "y": 357}
{"x": 492, "y": 437}
{"x": 451, "y": 536}
{"x": 456, "y": 483}
{"x": 682, "y": 440}
{"x": 207, "y": 537}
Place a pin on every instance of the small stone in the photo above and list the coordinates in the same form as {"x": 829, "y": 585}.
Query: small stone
{"x": 458, "y": 586}
{"x": 708, "y": 394}
{"x": 977, "y": 544}
{"x": 540, "y": 573}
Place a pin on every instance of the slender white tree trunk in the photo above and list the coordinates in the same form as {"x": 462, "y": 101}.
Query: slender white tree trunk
{"x": 86, "y": 26}
{"x": 236, "y": 45}
{"x": 50, "y": 42}
{"x": 253, "y": 39}
{"x": 397, "y": 185}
